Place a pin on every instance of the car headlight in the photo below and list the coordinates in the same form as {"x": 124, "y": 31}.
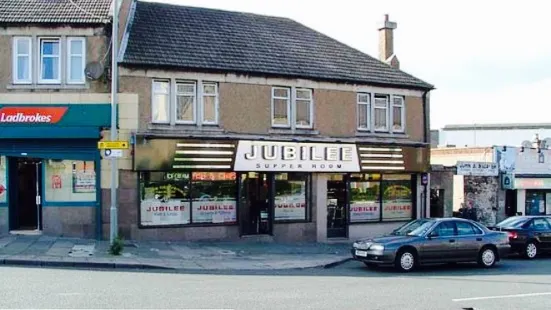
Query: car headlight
{"x": 377, "y": 247}
{"x": 360, "y": 245}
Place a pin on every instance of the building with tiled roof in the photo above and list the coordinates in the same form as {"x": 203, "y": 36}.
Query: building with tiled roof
{"x": 259, "y": 127}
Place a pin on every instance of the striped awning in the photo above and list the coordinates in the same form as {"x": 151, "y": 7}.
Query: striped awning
{"x": 381, "y": 158}
{"x": 207, "y": 156}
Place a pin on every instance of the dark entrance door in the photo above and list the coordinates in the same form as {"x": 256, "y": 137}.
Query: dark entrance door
{"x": 511, "y": 202}
{"x": 436, "y": 202}
{"x": 255, "y": 205}
{"x": 25, "y": 201}
{"x": 337, "y": 210}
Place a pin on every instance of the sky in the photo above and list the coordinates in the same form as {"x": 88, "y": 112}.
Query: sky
{"x": 489, "y": 60}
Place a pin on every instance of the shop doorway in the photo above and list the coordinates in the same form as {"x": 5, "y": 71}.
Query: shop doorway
{"x": 255, "y": 206}
{"x": 25, "y": 182}
{"x": 437, "y": 202}
{"x": 510, "y": 202}
{"x": 337, "y": 211}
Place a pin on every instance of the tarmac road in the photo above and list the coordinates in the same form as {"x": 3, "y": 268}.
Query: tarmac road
{"x": 513, "y": 284}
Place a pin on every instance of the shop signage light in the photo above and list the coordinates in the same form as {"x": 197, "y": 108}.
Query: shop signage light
{"x": 295, "y": 156}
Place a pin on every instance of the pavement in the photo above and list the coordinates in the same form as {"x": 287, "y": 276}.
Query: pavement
{"x": 199, "y": 256}
{"x": 513, "y": 284}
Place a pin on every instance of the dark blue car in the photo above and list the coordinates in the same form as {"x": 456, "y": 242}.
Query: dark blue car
{"x": 528, "y": 235}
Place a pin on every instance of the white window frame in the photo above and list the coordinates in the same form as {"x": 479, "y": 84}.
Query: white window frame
{"x": 153, "y": 100}
{"x": 15, "y": 63}
{"x": 68, "y": 59}
{"x": 387, "y": 113}
{"x": 369, "y": 112}
{"x": 311, "y": 108}
{"x": 288, "y": 98}
{"x": 216, "y": 103}
{"x": 174, "y": 102}
{"x": 41, "y": 57}
{"x": 402, "y": 106}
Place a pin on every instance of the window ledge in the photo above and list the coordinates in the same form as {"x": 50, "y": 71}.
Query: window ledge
{"x": 289, "y": 131}
{"x": 400, "y": 135}
{"x": 183, "y": 127}
{"x": 47, "y": 86}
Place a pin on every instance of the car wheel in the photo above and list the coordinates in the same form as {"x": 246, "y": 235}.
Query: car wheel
{"x": 531, "y": 250}
{"x": 406, "y": 260}
{"x": 487, "y": 257}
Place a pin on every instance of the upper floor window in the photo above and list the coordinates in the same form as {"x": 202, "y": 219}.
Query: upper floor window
{"x": 49, "y": 55}
{"x": 387, "y": 112}
{"x": 50, "y": 64}
{"x": 75, "y": 60}
{"x": 364, "y": 111}
{"x": 292, "y": 107}
{"x": 190, "y": 103}
{"x": 381, "y": 113}
{"x": 22, "y": 60}
{"x": 398, "y": 113}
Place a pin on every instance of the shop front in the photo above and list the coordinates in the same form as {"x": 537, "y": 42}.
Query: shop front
{"x": 49, "y": 168}
{"x": 286, "y": 190}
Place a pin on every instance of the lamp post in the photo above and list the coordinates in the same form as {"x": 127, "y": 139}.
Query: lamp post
{"x": 113, "y": 225}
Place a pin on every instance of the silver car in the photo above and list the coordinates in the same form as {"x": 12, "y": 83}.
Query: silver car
{"x": 433, "y": 240}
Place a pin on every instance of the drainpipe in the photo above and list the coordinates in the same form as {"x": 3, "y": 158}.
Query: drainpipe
{"x": 426, "y": 134}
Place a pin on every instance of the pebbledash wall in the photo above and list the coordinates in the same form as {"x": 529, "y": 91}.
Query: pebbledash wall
{"x": 59, "y": 131}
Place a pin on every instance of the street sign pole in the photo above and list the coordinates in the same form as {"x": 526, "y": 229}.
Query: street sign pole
{"x": 114, "y": 90}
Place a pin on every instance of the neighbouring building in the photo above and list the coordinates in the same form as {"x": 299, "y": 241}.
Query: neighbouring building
{"x": 497, "y": 181}
{"x": 54, "y": 107}
{"x": 486, "y": 135}
{"x": 254, "y": 125}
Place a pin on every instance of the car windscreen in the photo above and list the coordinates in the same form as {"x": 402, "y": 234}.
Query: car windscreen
{"x": 421, "y": 230}
{"x": 513, "y": 222}
{"x": 408, "y": 227}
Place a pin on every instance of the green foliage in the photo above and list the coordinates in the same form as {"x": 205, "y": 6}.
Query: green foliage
{"x": 117, "y": 246}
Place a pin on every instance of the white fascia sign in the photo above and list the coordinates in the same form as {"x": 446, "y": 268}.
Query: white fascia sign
{"x": 296, "y": 157}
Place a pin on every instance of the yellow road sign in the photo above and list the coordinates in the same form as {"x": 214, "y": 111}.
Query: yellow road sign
{"x": 117, "y": 145}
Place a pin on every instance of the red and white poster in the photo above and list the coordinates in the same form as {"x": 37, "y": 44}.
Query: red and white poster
{"x": 361, "y": 211}
{"x": 154, "y": 212}
{"x": 397, "y": 210}
{"x": 214, "y": 211}
{"x": 290, "y": 208}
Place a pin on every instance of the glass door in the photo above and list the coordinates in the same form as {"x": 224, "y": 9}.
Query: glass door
{"x": 337, "y": 207}
{"x": 255, "y": 205}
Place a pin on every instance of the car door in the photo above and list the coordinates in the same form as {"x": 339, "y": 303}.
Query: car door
{"x": 468, "y": 242}
{"x": 439, "y": 245}
{"x": 542, "y": 231}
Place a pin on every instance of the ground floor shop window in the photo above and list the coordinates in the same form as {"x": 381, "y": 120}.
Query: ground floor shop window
{"x": 181, "y": 198}
{"x": 535, "y": 202}
{"x": 291, "y": 196}
{"x": 69, "y": 180}
{"x": 376, "y": 197}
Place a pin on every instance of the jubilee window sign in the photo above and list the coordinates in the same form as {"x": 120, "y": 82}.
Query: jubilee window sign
{"x": 295, "y": 156}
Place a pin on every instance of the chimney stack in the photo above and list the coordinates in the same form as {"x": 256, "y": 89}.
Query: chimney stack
{"x": 386, "y": 43}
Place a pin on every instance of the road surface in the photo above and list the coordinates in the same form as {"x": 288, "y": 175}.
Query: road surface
{"x": 514, "y": 284}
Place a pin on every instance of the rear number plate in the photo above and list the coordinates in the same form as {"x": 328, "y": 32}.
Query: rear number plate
{"x": 361, "y": 253}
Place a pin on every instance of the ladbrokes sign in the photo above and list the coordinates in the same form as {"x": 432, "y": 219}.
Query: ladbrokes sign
{"x": 37, "y": 115}
{"x": 293, "y": 156}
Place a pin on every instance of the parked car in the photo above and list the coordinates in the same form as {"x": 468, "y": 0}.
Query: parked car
{"x": 528, "y": 235}
{"x": 433, "y": 240}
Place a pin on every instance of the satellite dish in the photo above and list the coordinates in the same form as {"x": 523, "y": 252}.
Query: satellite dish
{"x": 93, "y": 70}
{"x": 526, "y": 144}
{"x": 546, "y": 143}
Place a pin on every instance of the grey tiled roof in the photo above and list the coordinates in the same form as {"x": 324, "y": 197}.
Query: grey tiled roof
{"x": 55, "y": 11}
{"x": 163, "y": 35}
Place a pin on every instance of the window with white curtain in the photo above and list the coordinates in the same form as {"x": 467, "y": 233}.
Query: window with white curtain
{"x": 22, "y": 60}
{"x": 76, "y": 55}
{"x": 381, "y": 113}
{"x": 364, "y": 111}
